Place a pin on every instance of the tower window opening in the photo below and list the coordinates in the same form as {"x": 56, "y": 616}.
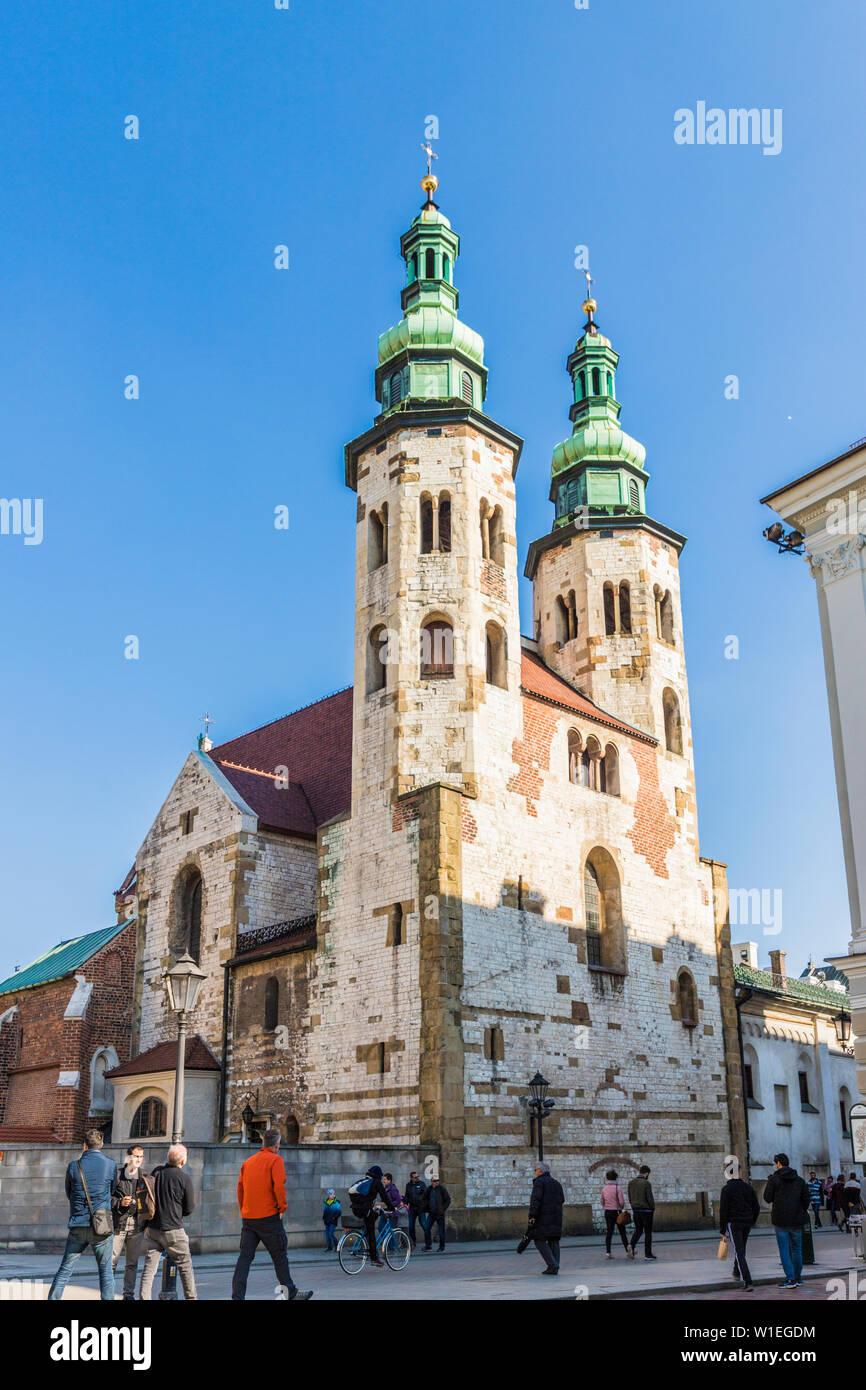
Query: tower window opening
{"x": 426, "y": 525}
{"x": 571, "y": 607}
{"x": 624, "y": 607}
{"x": 377, "y": 660}
{"x": 574, "y": 756}
{"x": 446, "y": 269}
{"x": 634, "y": 494}
{"x": 666, "y": 617}
{"x": 610, "y": 771}
{"x": 413, "y": 268}
{"x": 673, "y": 722}
{"x": 444, "y": 522}
{"x": 609, "y": 384}
{"x": 466, "y": 387}
{"x": 609, "y": 610}
{"x": 495, "y": 652}
{"x": 560, "y": 617}
{"x": 395, "y": 388}
{"x": 497, "y": 537}
{"x": 376, "y": 541}
{"x": 430, "y": 264}
{"x": 437, "y": 650}
{"x": 688, "y": 1000}
{"x": 581, "y": 385}
{"x": 596, "y": 381}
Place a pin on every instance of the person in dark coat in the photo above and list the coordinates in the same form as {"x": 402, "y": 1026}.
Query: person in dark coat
{"x": 415, "y": 1198}
{"x": 643, "y": 1205}
{"x": 545, "y": 1216}
{"x": 438, "y": 1202}
{"x": 364, "y": 1205}
{"x": 788, "y": 1195}
{"x": 739, "y": 1209}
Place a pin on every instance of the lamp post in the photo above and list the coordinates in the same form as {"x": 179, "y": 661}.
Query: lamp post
{"x": 182, "y": 983}
{"x": 247, "y": 1118}
{"x": 842, "y": 1024}
{"x": 539, "y": 1107}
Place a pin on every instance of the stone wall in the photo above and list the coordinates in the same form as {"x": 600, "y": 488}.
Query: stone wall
{"x": 34, "y": 1207}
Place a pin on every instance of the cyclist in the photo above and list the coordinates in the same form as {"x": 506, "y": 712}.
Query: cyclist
{"x": 363, "y": 1197}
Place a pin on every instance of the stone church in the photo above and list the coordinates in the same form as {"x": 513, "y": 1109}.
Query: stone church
{"x": 481, "y": 858}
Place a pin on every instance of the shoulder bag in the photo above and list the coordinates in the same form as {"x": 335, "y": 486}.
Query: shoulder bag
{"x": 101, "y": 1221}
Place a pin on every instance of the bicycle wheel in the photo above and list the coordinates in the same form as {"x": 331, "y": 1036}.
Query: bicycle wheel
{"x": 397, "y": 1250}
{"x": 352, "y": 1252}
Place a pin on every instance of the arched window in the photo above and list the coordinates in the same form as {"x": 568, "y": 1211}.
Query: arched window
{"x": 148, "y": 1122}
{"x": 560, "y": 619}
{"x": 845, "y": 1110}
{"x": 495, "y": 647}
{"x": 101, "y": 1091}
{"x": 673, "y": 723}
{"x": 581, "y": 385}
{"x": 596, "y": 381}
{"x": 687, "y": 997}
{"x": 624, "y": 607}
{"x": 497, "y": 537}
{"x": 413, "y": 268}
{"x": 293, "y": 1130}
{"x": 377, "y": 660}
{"x": 446, "y": 269}
{"x": 590, "y": 761}
{"x": 466, "y": 387}
{"x": 633, "y": 494}
{"x": 395, "y": 387}
{"x": 272, "y": 1003}
{"x": 437, "y": 650}
{"x": 571, "y": 607}
{"x": 573, "y": 756}
{"x": 429, "y": 264}
{"x": 186, "y": 934}
{"x": 609, "y": 384}
{"x": 605, "y": 929}
{"x": 666, "y": 617}
{"x": 426, "y": 524}
{"x": 444, "y": 522}
{"x": 751, "y": 1076}
{"x": 610, "y": 769}
{"x": 609, "y": 610}
{"x": 376, "y": 542}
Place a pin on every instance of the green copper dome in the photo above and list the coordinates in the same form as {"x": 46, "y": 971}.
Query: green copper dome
{"x": 599, "y": 466}
{"x": 430, "y": 356}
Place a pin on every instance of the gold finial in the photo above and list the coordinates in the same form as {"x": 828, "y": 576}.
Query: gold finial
{"x": 429, "y": 182}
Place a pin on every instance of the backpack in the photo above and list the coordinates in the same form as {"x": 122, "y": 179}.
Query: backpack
{"x": 361, "y": 1197}
{"x": 146, "y": 1194}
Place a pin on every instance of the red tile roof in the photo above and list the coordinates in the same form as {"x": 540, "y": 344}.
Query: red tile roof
{"x": 163, "y": 1057}
{"x": 27, "y": 1134}
{"x": 538, "y": 680}
{"x": 315, "y": 745}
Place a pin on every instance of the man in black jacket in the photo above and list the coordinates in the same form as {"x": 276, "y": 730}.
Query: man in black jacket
{"x": 165, "y": 1232}
{"x": 788, "y": 1195}
{"x": 130, "y": 1234}
{"x": 438, "y": 1202}
{"x": 739, "y": 1209}
{"x": 415, "y": 1198}
{"x": 545, "y": 1216}
{"x": 363, "y": 1206}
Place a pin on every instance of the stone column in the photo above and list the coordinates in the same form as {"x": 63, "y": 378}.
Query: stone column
{"x": 730, "y": 1030}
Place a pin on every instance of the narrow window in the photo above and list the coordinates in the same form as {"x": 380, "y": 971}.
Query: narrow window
{"x": 749, "y": 1086}
{"x": 377, "y": 660}
{"x": 610, "y": 768}
{"x": 497, "y": 537}
{"x": 666, "y": 617}
{"x": 520, "y": 891}
{"x": 596, "y": 381}
{"x": 413, "y": 268}
{"x": 382, "y": 1051}
{"x": 673, "y": 724}
{"x": 396, "y": 926}
{"x": 194, "y": 919}
{"x": 803, "y": 1080}
{"x": 571, "y": 605}
{"x": 430, "y": 264}
{"x": 375, "y": 542}
{"x": 426, "y": 525}
{"x": 446, "y": 269}
{"x": 581, "y": 385}
{"x": 688, "y": 1000}
{"x": 560, "y": 618}
{"x": 494, "y": 638}
{"x": 445, "y": 523}
{"x": 609, "y": 610}
{"x": 592, "y": 903}
{"x": 609, "y": 384}
{"x": 494, "y": 1044}
{"x": 573, "y": 756}
{"x": 272, "y": 1003}
{"x": 437, "y": 650}
{"x": 395, "y": 389}
{"x": 634, "y": 494}
{"x": 466, "y": 388}
{"x": 624, "y": 607}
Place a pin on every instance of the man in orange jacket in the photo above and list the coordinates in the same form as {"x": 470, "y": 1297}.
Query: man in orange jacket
{"x": 262, "y": 1200}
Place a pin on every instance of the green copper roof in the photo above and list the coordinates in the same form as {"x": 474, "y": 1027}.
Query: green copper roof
{"x": 62, "y": 959}
{"x": 794, "y": 989}
{"x": 430, "y": 357}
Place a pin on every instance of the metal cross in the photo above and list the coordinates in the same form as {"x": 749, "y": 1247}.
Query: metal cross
{"x": 431, "y": 155}
{"x": 207, "y": 721}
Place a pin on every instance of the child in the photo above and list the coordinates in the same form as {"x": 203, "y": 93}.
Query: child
{"x": 331, "y": 1212}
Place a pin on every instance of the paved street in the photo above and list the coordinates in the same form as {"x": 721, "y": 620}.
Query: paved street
{"x": 686, "y": 1268}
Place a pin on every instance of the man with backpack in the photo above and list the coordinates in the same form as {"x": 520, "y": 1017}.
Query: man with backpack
{"x": 90, "y": 1185}
{"x": 363, "y": 1197}
{"x": 132, "y": 1207}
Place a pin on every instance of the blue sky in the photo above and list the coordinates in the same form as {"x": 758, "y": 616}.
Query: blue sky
{"x": 155, "y": 257}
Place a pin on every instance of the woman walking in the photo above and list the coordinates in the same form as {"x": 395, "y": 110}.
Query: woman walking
{"x": 612, "y": 1203}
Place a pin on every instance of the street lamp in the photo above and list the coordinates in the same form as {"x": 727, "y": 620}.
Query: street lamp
{"x": 247, "y": 1118}
{"x": 539, "y": 1107}
{"x": 182, "y": 984}
{"x": 842, "y": 1024}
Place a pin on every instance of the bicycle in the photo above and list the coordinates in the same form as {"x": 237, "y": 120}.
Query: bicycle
{"x": 353, "y": 1252}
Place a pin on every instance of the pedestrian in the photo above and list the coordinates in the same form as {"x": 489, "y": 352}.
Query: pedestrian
{"x": 828, "y": 1198}
{"x": 612, "y": 1204}
{"x": 262, "y": 1202}
{"x": 839, "y": 1203}
{"x": 393, "y": 1192}
{"x": 173, "y": 1200}
{"x": 788, "y": 1196}
{"x": 438, "y": 1202}
{"x": 853, "y": 1196}
{"x": 739, "y": 1209}
{"x": 642, "y": 1203}
{"x": 415, "y": 1198}
{"x": 131, "y": 1205}
{"x": 363, "y": 1197}
{"x": 816, "y": 1192}
{"x": 90, "y": 1186}
{"x": 545, "y": 1216}
{"x": 331, "y": 1213}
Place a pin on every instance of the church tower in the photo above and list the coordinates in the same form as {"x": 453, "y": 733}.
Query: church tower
{"x": 437, "y": 649}
{"x": 606, "y": 597}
